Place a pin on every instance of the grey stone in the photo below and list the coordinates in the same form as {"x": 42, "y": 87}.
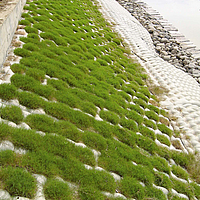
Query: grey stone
{"x": 160, "y": 44}
{"x": 164, "y": 53}
{"x": 176, "y": 48}
{"x": 4, "y": 195}
{"x": 155, "y": 42}
{"x": 196, "y": 73}
{"x": 166, "y": 58}
{"x": 191, "y": 66}
{"x": 173, "y": 58}
{"x": 164, "y": 40}
{"x": 158, "y": 48}
{"x": 186, "y": 62}
{"x": 155, "y": 33}
{"x": 183, "y": 57}
{"x": 173, "y": 51}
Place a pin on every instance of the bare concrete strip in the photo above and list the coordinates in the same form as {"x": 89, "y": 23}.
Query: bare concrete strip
{"x": 9, "y": 17}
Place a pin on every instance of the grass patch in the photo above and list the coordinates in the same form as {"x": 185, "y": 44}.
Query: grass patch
{"x": 180, "y": 172}
{"x": 12, "y": 113}
{"x": 152, "y": 115}
{"x": 56, "y": 189}
{"x": 94, "y": 140}
{"x": 36, "y": 74}
{"x": 147, "y": 132}
{"x": 90, "y": 193}
{"x": 161, "y": 164}
{"x": 154, "y": 193}
{"x": 182, "y": 188}
{"x": 7, "y": 157}
{"x": 109, "y": 116}
{"x": 129, "y": 124}
{"x": 18, "y": 182}
{"x": 18, "y": 68}
{"x": 132, "y": 188}
{"x": 7, "y": 91}
{"x": 196, "y": 189}
{"x": 41, "y": 122}
{"x": 162, "y": 180}
{"x": 133, "y": 115}
{"x": 30, "y": 100}
{"x": 163, "y": 139}
{"x": 137, "y": 108}
{"x": 149, "y": 123}
{"x": 164, "y": 129}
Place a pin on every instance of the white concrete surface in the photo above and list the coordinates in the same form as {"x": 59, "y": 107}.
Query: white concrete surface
{"x": 8, "y": 27}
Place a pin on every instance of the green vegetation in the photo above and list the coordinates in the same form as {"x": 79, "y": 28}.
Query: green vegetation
{"x": 30, "y": 100}
{"x": 74, "y": 69}
{"x": 147, "y": 132}
{"x": 162, "y": 180}
{"x": 6, "y": 157}
{"x": 164, "y": 129}
{"x": 56, "y": 189}
{"x": 109, "y": 116}
{"x": 18, "y": 68}
{"x": 18, "y": 182}
{"x": 163, "y": 139}
{"x": 152, "y": 115}
{"x": 132, "y": 188}
{"x": 180, "y": 172}
{"x": 129, "y": 124}
{"x": 12, "y": 113}
{"x": 90, "y": 193}
{"x": 7, "y": 91}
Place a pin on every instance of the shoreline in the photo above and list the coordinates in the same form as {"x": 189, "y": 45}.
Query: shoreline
{"x": 169, "y": 43}
{"x": 182, "y": 100}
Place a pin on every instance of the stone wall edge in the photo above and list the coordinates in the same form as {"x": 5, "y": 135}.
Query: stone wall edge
{"x": 8, "y": 28}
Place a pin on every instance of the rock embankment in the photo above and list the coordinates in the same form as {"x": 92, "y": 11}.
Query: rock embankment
{"x": 169, "y": 43}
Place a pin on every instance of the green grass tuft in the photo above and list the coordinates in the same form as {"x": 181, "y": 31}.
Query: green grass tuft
{"x": 12, "y": 113}
{"x": 131, "y": 188}
{"x": 152, "y": 115}
{"x": 7, "y": 91}
{"x": 36, "y": 74}
{"x": 164, "y": 129}
{"x": 7, "y": 157}
{"x": 109, "y": 116}
{"x": 18, "y": 182}
{"x": 56, "y": 189}
{"x": 180, "y": 172}
{"x": 163, "y": 139}
{"x": 90, "y": 193}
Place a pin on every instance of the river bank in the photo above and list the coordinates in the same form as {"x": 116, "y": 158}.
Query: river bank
{"x": 169, "y": 43}
{"x": 183, "y": 14}
{"x": 182, "y": 98}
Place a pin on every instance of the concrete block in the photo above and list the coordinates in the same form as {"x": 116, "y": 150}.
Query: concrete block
{"x": 9, "y": 25}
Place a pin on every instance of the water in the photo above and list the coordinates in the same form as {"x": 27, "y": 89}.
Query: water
{"x": 183, "y": 14}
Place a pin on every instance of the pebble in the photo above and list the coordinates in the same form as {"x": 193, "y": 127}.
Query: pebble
{"x": 6, "y": 145}
{"x": 4, "y": 195}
